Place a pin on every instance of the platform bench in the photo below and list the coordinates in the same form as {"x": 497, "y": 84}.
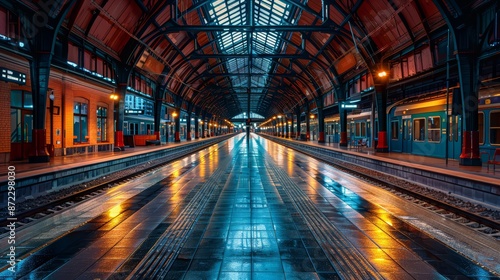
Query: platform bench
{"x": 152, "y": 142}
{"x": 140, "y": 140}
{"x": 495, "y": 160}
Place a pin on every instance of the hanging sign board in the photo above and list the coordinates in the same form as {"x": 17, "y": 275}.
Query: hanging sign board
{"x": 349, "y": 106}
{"x": 12, "y": 76}
{"x": 134, "y": 111}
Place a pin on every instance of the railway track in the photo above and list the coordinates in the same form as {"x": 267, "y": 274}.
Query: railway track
{"x": 34, "y": 209}
{"x": 466, "y": 213}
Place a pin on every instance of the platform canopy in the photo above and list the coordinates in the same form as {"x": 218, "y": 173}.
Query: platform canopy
{"x": 263, "y": 56}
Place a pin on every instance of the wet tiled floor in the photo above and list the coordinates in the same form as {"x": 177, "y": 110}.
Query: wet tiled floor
{"x": 266, "y": 213}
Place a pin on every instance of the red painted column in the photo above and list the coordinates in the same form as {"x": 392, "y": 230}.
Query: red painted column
{"x": 470, "y": 148}
{"x": 382, "y": 142}
{"x": 321, "y": 137}
{"x": 119, "y": 143}
{"x": 343, "y": 139}
{"x": 188, "y": 136}
{"x": 38, "y": 152}
{"x": 177, "y": 136}
{"x": 157, "y": 134}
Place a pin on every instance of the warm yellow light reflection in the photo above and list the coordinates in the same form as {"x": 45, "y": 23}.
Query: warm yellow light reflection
{"x": 174, "y": 114}
{"x": 115, "y": 211}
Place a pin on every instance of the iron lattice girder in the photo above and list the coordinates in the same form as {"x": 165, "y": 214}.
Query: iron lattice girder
{"x": 254, "y": 55}
{"x": 248, "y": 28}
{"x": 212, "y": 75}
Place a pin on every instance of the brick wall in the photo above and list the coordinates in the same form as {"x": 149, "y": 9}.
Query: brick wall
{"x": 16, "y": 63}
{"x": 65, "y": 88}
{"x": 5, "y": 118}
{"x": 74, "y": 89}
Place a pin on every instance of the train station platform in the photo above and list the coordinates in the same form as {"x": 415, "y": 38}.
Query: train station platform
{"x": 248, "y": 210}
{"x": 476, "y": 183}
{"x": 36, "y": 179}
{"x": 65, "y": 162}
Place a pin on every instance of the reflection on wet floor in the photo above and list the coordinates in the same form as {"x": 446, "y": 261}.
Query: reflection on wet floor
{"x": 250, "y": 233}
{"x": 251, "y": 224}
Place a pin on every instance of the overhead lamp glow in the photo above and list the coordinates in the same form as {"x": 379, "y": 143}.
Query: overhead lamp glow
{"x": 382, "y": 74}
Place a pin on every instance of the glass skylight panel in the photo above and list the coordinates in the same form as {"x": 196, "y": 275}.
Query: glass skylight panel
{"x": 234, "y": 13}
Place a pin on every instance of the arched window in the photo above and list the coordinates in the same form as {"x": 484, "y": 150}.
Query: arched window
{"x": 80, "y": 121}
{"x": 102, "y": 120}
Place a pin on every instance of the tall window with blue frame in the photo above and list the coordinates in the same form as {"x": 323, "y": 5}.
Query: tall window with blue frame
{"x": 102, "y": 119}
{"x": 80, "y": 122}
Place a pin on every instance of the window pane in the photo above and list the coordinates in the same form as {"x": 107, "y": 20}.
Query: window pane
{"x": 495, "y": 128}
{"x": 76, "y": 129}
{"x": 15, "y": 125}
{"x": 494, "y": 119}
{"x": 455, "y": 131}
{"x": 419, "y": 129}
{"x": 76, "y": 108}
{"x": 84, "y": 109}
{"x": 434, "y": 129}
{"x": 16, "y": 98}
{"x": 99, "y": 129}
{"x": 452, "y": 130}
{"x": 101, "y": 123}
{"x": 84, "y": 126}
{"x": 104, "y": 130}
{"x": 407, "y": 129}
{"x": 28, "y": 101}
{"x": 394, "y": 130}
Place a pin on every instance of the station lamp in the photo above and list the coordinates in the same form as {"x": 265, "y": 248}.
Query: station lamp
{"x": 113, "y": 96}
{"x": 382, "y": 74}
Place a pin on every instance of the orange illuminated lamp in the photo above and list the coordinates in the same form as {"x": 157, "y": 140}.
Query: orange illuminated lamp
{"x": 174, "y": 114}
{"x": 382, "y": 74}
{"x": 312, "y": 116}
{"x": 113, "y": 96}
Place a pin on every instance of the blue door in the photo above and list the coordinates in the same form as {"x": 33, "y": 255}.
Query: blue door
{"x": 407, "y": 136}
{"x": 454, "y": 136}
{"x": 395, "y": 135}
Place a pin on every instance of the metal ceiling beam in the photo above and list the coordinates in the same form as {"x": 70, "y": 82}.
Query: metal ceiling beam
{"x": 255, "y": 55}
{"x": 212, "y": 75}
{"x": 176, "y": 28}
